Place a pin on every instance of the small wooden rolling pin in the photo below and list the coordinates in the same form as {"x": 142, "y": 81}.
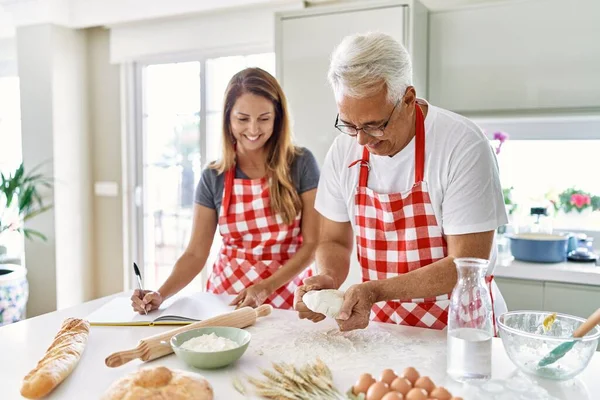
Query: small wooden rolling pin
{"x": 154, "y": 347}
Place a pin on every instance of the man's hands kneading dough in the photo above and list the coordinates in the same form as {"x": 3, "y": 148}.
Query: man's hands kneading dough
{"x": 328, "y": 301}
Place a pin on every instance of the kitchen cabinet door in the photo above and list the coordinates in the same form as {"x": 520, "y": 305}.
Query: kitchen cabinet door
{"x": 515, "y": 56}
{"x": 579, "y": 300}
{"x": 521, "y": 294}
{"x": 304, "y": 43}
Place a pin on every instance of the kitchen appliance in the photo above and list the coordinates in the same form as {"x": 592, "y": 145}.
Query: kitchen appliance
{"x": 540, "y": 221}
{"x": 539, "y": 247}
{"x": 584, "y": 252}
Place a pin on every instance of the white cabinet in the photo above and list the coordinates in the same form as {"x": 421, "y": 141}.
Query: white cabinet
{"x": 536, "y": 54}
{"x": 521, "y": 294}
{"x": 579, "y": 300}
{"x": 566, "y": 298}
{"x": 304, "y": 42}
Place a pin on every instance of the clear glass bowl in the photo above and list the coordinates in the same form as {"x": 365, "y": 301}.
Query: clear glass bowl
{"x": 526, "y": 343}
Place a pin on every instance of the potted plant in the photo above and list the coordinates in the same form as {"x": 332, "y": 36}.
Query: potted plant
{"x": 20, "y": 200}
{"x": 574, "y": 207}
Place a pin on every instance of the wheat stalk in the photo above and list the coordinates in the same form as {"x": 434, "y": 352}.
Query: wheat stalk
{"x": 239, "y": 386}
{"x": 286, "y": 382}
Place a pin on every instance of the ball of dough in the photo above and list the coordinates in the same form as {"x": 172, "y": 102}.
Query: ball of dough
{"x": 160, "y": 383}
{"x": 326, "y": 301}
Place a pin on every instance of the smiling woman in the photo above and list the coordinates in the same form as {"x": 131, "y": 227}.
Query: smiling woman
{"x": 260, "y": 194}
{"x": 252, "y": 121}
{"x": 255, "y": 116}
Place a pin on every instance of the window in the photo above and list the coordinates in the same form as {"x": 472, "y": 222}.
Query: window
{"x": 10, "y": 124}
{"x": 545, "y": 156}
{"x": 10, "y": 147}
{"x": 179, "y": 136}
{"x": 539, "y": 170}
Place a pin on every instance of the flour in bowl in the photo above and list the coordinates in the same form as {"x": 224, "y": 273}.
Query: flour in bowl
{"x": 209, "y": 343}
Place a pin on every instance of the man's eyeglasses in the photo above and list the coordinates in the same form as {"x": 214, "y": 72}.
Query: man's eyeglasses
{"x": 352, "y": 130}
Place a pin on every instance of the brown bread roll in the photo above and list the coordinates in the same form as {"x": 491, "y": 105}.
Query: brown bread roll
{"x": 160, "y": 383}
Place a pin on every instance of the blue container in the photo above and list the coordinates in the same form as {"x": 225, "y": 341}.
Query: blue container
{"x": 539, "y": 247}
{"x": 14, "y": 292}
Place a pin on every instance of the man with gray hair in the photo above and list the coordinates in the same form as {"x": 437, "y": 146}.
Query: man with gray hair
{"x": 417, "y": 185}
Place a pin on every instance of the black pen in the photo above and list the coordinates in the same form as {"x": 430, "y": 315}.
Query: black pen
{"x": 139, "y": 279}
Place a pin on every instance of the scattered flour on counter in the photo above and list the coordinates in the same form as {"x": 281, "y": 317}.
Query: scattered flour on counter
{"x": 209, "y": 343}
{"x": 346, "y": 350}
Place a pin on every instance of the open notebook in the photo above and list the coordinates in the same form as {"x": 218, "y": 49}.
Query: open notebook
{"x": 178, "y": 310}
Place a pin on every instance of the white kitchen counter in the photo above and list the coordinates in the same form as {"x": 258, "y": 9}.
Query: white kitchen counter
{"x": 565, "y": 272}
{"x": 279, "y": 337}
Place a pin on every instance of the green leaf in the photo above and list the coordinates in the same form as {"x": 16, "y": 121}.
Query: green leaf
{"x": 20, "y": 189}
{"x": 595, "y": 203}
{"x": 31, "y": 234}
{"x": 37, "y": 212}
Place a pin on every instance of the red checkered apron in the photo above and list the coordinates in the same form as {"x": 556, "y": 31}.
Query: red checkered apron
{"x": 256, "y": 243}
{"x": 398, "y": 233}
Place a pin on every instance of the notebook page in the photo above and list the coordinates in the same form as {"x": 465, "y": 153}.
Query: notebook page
{"x": 198, "y": 306}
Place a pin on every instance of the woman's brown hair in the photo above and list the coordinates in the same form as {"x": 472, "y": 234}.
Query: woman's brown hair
{"x": 280, "y": 150}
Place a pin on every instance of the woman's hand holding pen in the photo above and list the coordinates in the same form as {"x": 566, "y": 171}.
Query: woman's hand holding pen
{"x": 144, "y": 301}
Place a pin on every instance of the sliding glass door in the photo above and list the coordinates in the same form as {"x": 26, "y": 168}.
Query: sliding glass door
{"x": 180, "y": 131}
{"x": 171, "y": 162}
{"x": 11, "y": 156}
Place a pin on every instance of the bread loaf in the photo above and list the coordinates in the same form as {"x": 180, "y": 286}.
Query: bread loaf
{"x": 160, "y": 383}
{"x": 60, "y": 359}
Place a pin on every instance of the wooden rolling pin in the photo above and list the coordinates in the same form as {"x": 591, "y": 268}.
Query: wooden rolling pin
{"x": 154, "y": 347}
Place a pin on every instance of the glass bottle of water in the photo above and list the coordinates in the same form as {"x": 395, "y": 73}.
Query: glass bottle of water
{"x": 470, "y": 325}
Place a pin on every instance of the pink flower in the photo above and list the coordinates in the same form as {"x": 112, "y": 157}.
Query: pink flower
{"x": 501, "y": 137}
{"x": 580, "y": 200}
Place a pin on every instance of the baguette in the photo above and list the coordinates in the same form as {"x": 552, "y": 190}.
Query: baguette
{"x": 60, "y": 359}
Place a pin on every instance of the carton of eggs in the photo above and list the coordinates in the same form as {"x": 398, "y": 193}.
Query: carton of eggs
{"x": 408, "y": 385}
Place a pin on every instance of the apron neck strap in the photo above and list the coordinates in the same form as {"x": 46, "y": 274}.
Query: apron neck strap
{"x": 229, "y": 177}
{"x": 364, "y": 168}
{"x": 419, "y": 144}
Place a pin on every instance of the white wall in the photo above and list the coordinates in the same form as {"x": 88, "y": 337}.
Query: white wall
{"x": 8, "y": 56}
{"x": 87, "y": 13}
{"x": 72, "y": 167}
{"x": 54, "y": 111}
{"x": 38, "y": 146}
{"x": 7, "y": 26}
{"x": 213, "y": 34}
{"x": 105, "y": 130}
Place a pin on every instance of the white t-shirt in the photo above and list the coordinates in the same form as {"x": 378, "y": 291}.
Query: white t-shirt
{"x": 461, "y": 172}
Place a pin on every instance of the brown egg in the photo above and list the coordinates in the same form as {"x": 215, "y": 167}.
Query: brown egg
{"x": 416, "y": 394}
{"x": 426, "y": 383}
{"x": 363, "y": 384}
{"x": 393, "y": 396}
{"x": 388, "y": 376}
{"x": 440, "y": 393}
{"x": 411, "y": 374}
{"x": 377, "y": 391}
{"x": 401, "y": 385}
